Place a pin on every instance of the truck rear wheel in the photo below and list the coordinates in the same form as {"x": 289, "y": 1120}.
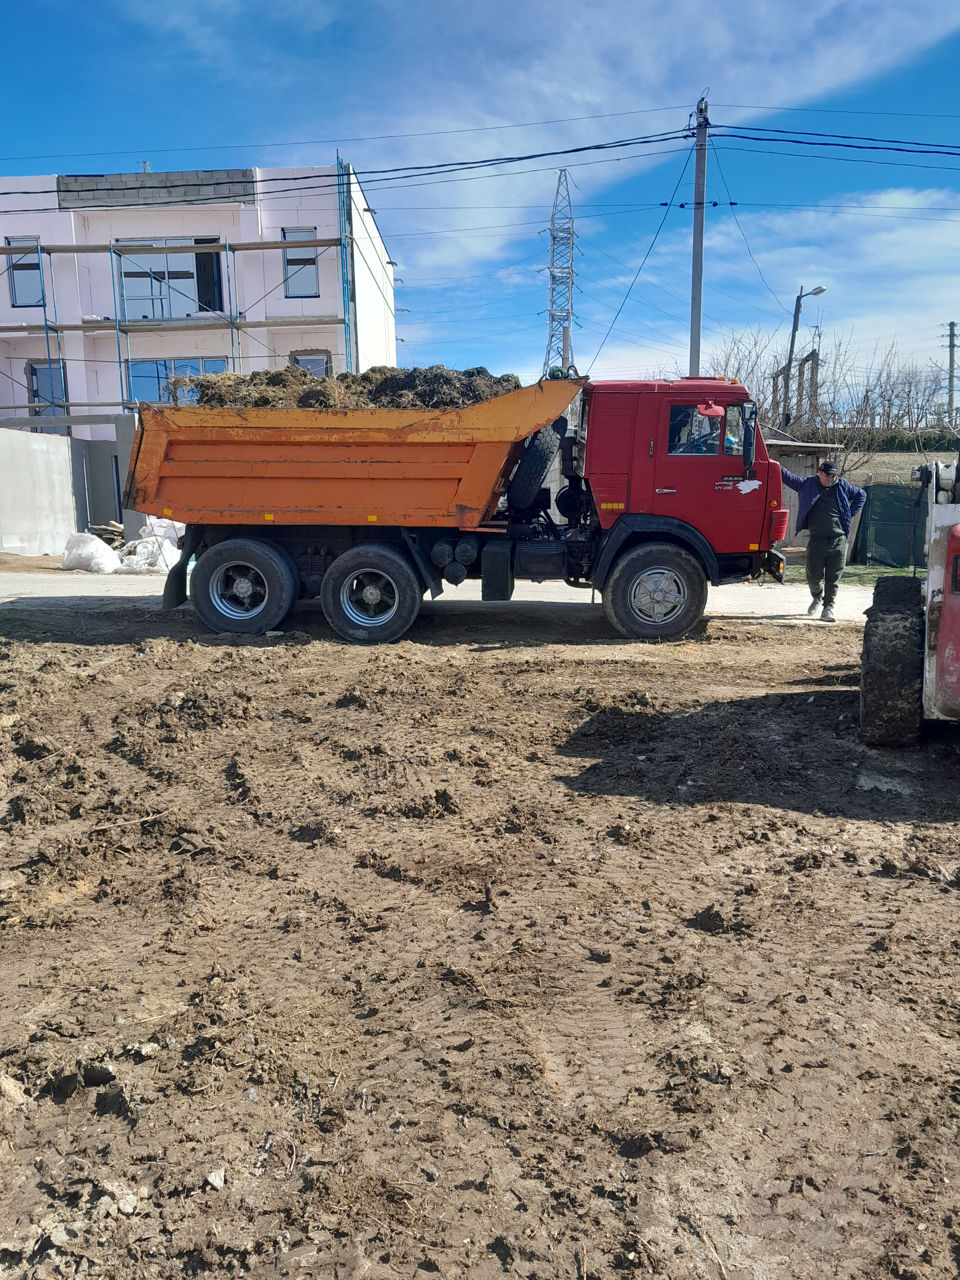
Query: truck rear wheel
{"x": 243, "y": 585}
{"x": 891, "y": 673}
{"x": 656, "y": 591}
{"x": 371, "y": 595}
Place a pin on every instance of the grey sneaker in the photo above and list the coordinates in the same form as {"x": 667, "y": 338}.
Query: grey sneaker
{"x": 827, "y": 615}
{"x": 815, "y": 604}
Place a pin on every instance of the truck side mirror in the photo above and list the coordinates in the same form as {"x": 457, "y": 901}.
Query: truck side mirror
{"x": 749, "y": 411}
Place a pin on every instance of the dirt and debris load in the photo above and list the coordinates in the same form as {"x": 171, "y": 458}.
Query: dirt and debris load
{"x": 508, "y": 951}
{"x": 381, "y": 387}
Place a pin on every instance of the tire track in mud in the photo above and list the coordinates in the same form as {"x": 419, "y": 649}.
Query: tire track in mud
{"x": 472, "y": 958}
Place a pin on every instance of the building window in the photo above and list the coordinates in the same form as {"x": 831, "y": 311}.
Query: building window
{"x": 149, "y": 380}
{"x": 26, "y": 282}
{"x": 300, "y": 276}
{"x": 315, "y": 362}
{"x": 173, "y": 285}
{"x": 48, "y": 392}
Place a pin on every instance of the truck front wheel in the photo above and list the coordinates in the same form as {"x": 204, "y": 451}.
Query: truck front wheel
{"x": 371, "y": 595}
{"x": 243, "y": 585}
{"x": 656, "y": 591}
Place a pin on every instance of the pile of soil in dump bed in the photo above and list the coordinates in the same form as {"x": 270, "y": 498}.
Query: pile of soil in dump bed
{"x": 379, "y": 388}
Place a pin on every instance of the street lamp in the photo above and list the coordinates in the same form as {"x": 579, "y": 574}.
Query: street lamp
{"x": 811, "y": 293}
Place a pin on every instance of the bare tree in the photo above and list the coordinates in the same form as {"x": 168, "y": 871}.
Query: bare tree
{"x": 851, "y": 405}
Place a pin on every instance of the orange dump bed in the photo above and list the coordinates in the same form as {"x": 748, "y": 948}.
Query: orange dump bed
{"x": 326, "y": 466}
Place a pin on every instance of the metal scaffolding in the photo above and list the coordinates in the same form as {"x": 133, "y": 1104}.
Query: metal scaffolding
{"x": 233, "y": 317}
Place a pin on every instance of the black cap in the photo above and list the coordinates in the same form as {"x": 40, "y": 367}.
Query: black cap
{"x": 828, "y": 468}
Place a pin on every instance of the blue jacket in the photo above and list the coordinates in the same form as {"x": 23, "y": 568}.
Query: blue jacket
{"x": 850, "y": 497}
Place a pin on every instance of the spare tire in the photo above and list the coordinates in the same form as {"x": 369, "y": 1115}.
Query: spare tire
{"x": 540, "y": 450}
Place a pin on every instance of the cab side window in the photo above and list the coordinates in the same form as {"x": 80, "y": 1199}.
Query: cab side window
{"x": 733, "y": 431}
{"x": 692, "y": 432}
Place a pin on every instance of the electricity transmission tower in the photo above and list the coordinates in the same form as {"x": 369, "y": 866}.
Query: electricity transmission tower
{"x": 560, "y": 311}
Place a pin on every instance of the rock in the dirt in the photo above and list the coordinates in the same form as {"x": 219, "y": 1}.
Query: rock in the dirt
{"x": 143, "y": 1051}
{"x": 216, "y": 1179}
{"x": 12, "y": 1091}
{"x": 98, "y": 1074}
{"x": 709, "y": 920}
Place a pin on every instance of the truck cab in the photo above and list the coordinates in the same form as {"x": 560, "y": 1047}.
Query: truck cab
{"x": 685, "y": 455}
{"x": 683, "y": 493}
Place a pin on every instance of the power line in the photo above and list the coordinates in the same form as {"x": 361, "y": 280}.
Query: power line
{"x": 887, "y": 164}
{"x": 333, "y": 142}
{"x": 743, "y": 233}
{"x": 393, "y": 171}
{"x": 838, "y": 111}
{"x": 853, "y": 140}
{"x": 643, "y": 263}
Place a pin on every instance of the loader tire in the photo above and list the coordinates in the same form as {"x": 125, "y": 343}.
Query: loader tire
{"x": 371, "y": 595}
{"x": 541, "y": 449}
{"x": 891, "y": 673}
{"x": 245, "y": 586}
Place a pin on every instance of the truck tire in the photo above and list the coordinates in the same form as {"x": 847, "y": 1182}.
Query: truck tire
{"x": 371, "y": 595}
{"x": 891, "y": 672}
{"x": 656, "y": 591}
{"x": 531, "y": 471}
{"x": 243, "y": 585}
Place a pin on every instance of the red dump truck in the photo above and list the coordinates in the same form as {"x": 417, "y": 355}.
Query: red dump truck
{"x": 666, "y": 487}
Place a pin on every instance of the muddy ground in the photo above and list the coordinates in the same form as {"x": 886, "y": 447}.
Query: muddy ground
{"x": 509, "y": 950}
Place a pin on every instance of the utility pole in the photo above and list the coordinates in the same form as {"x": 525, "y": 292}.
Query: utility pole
{"x": 951, "y": 370}
{"x": 699, "y": 200}
{"x": 560, "y": 307}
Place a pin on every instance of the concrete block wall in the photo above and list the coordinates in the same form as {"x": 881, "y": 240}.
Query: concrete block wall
{"x": 38, "y": 487}
{"x": 54, "y": 486}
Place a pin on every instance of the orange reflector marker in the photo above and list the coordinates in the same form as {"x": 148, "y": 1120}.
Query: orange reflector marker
{"x": 167, "y": 511}
{"x": 267, "y": 515}
{"x": 371, "y": 519}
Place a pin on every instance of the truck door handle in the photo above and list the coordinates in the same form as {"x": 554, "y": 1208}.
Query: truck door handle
{"x": 666, "y": 491}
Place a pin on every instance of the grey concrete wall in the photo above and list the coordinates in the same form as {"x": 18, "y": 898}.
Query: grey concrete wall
{"x": 107, "y": 462}
{"x": 38, "y": 507}
{"x": 53, "y": 486}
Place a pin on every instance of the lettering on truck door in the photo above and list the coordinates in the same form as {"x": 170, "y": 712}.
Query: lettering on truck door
{"x": 699, "y": 474}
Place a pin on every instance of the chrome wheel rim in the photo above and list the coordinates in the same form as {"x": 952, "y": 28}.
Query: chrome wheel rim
{"x": 369, "y": 597}
{"x": 239, "y": 591}
{"x": 657, "y": 595}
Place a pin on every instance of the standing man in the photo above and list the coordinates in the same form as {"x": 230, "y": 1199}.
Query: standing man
{"x": 827, "y": 506}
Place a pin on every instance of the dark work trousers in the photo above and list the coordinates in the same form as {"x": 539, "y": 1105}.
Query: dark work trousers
{"x": 826, "y": 558}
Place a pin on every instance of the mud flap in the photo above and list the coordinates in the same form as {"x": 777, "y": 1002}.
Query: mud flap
{"x": 175, "y": 587}
{"x": 496, "y": 570}
{"x": 772, "y": 562}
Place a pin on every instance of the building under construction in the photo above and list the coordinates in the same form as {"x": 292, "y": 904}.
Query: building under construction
{"x": 116, "y": 282}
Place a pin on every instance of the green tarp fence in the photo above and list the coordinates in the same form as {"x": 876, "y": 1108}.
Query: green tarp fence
{"x": 891, "y": 531}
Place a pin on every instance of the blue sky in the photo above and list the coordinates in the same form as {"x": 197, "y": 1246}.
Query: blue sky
{"x": 210, "y": 83}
